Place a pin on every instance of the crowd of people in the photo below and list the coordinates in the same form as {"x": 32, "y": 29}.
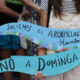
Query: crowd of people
{"x": 61, "y": 14}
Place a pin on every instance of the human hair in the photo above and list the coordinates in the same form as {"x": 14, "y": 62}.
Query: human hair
{"x": 57, "y": 6}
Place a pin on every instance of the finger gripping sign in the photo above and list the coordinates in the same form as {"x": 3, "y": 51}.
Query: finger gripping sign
{"x": 49, "y": 65}
{"x": 54, "y": 39}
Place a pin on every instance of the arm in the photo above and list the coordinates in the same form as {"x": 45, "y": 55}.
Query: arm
{"x": 4, "y": 9}
{"x": 43, "y": 19}
{"x": 32, "y": 4}
{"x": 43, "y": 22}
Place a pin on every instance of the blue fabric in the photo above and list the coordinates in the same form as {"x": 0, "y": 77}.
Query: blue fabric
{"x": 9, "y": 42}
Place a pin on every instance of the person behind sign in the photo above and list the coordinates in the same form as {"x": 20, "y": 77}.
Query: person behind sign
{"x": 9, "y": 12}
{"x": 38, "y": 11}
{"x": 65, "y": 14}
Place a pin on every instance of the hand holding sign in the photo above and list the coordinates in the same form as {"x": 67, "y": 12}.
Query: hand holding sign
{"x": 39, "y": 76}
